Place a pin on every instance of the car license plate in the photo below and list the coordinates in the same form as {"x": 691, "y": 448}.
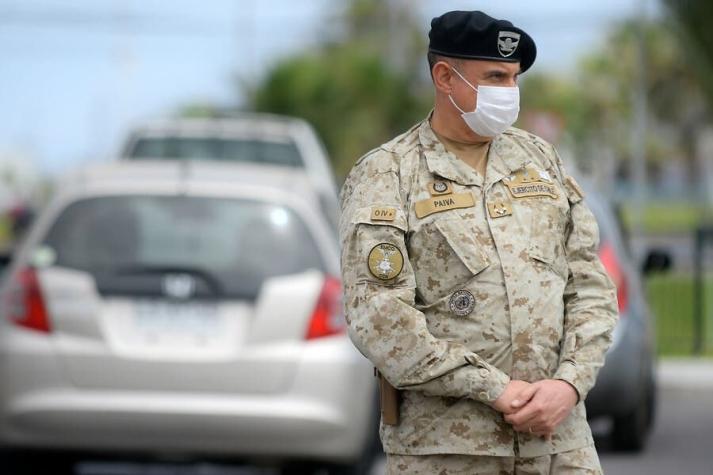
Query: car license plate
{"x": 163, "y": 321}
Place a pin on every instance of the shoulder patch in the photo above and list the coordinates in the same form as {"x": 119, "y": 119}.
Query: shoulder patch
{"x": 385, "y": 261}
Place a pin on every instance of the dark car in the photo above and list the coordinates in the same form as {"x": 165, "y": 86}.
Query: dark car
{"x": 625, "y": 390}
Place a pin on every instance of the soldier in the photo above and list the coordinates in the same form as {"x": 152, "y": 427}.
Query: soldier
{"x": 471, "y": 275}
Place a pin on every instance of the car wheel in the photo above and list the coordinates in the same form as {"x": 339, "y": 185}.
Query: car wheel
{"x": 36, "y": 462}
{"x": 631, "y": 431}
{"x": 298, "y": 468}
{"x": 362, "y": 467}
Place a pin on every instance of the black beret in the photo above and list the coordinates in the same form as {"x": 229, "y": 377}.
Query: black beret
{"x": 475, "y": 35}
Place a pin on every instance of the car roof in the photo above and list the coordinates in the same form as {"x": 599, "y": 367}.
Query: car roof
{"x": 248, "y": 122}
{"x": 149, "y": 175}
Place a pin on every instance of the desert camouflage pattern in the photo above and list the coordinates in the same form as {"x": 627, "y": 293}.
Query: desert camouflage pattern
{"x": 500, "y": 279}
{"x": 583, "y": 461}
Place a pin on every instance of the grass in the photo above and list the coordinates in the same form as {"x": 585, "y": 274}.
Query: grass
{"x": 671, "y": 300}
{"x": 4, "y": 232}
{"x": 669, "y": 217}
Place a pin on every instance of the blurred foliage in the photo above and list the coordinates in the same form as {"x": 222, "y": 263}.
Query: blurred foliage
{"x": 350, "y": 96}
{"x": 368, "y": 82}
{"x": 693, "y": 18}
{"x": 668, "y": 217}
{"x": 596, "y": 104}
{"x": 5, "y": 233}
{"x": 349, "y": 89}
{"x": 200, "y": 110}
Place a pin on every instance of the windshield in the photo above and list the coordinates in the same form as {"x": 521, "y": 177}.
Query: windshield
{"x": 228, "y": 247}
{"x": 221, "y": 149}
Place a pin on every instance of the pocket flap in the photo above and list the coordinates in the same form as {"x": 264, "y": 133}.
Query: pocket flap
{"x": 575, "y": 194}
{"x": 541, "y": 250}
{"x": 461, "y": 238}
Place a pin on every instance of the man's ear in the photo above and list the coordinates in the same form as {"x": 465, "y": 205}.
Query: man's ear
{"x": 442, "y": 77}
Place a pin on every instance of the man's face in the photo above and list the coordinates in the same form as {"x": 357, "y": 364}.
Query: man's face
{"x": 481, "y": 73}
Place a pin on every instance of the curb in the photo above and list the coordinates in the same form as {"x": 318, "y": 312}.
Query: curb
{"x": 690, "y": 374}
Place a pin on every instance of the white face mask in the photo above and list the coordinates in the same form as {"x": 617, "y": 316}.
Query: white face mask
{"x": 496, "y": 109}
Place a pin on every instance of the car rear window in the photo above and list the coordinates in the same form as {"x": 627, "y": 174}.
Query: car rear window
{"x": 130, "y": 244}
{"x": 220, "y": 149}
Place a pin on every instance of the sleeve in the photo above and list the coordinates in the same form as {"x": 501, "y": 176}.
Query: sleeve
{"x": 380, "y": 289}
{"x": 589, "y": 297}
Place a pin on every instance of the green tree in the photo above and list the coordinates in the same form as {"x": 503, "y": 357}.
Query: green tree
{"x": 596, "y": 102}
{"x": 693, "y": 22}
{"x": 352, "y": 90}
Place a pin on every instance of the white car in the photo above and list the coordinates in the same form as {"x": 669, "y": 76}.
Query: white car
{"x": 248, "y": 137}
{"x": 183, "y": 308}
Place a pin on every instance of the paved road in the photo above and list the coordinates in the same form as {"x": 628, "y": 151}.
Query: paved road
{"x": 681, "y": 444}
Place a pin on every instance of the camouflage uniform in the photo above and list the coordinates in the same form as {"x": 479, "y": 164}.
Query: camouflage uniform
{"x": 455, "y": 284}
{"x": 582, "y": 461}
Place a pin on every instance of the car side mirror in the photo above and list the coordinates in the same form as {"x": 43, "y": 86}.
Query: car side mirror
{"x": 657, "y": 260}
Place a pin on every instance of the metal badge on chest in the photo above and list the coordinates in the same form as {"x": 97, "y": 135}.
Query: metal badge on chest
{"x": 461, "y": 303}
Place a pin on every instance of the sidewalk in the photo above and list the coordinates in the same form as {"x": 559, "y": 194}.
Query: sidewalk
{"x": 685, "y": 373}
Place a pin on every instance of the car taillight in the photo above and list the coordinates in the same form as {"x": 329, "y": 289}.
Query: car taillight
{"x": 25, "y": 302}
{"x": 607, "y": 254}
{"x": 327, "y": 318}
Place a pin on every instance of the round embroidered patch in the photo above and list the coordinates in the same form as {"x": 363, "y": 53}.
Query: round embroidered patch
{"x": 461, "y": 303}
{"x": 385, "y": 261}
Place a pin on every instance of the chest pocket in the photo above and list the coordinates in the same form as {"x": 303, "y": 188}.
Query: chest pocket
{"x": 548, "y": 233}
{"x": 460, "y": 236}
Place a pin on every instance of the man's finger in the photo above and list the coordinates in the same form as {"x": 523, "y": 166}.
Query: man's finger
{"x": 524, "y": 420}
{"x": 525, "y": 396}
{"x": 525, "y": 413}
{"x": 536, "y": 423}
{"x": 521, "y": 417}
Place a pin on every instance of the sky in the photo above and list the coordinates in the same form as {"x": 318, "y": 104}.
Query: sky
{"x": 76, "y": 75}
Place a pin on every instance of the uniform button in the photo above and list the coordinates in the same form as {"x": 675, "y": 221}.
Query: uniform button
{"x": 484, "y": 372}
{"x": 483, "y": 395}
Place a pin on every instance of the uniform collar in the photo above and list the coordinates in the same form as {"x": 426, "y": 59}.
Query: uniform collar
{"x": 443, "y": 163}
{"x": 504, "y": 157}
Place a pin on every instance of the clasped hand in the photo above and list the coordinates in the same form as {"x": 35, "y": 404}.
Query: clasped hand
{"x": 537, "y": 408}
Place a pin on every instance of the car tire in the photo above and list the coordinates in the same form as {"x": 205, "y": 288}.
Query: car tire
{"x": 301, "y": 468}
{"x": 36, "y": 462}
{"x": 631, "y": 431}
{"x": 362, "y": 467}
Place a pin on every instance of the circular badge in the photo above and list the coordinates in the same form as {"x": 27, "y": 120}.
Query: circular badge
{"x": 440, "y": 187}
{"x": 461, "y": 303}
{"x": 385, "y": 261}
